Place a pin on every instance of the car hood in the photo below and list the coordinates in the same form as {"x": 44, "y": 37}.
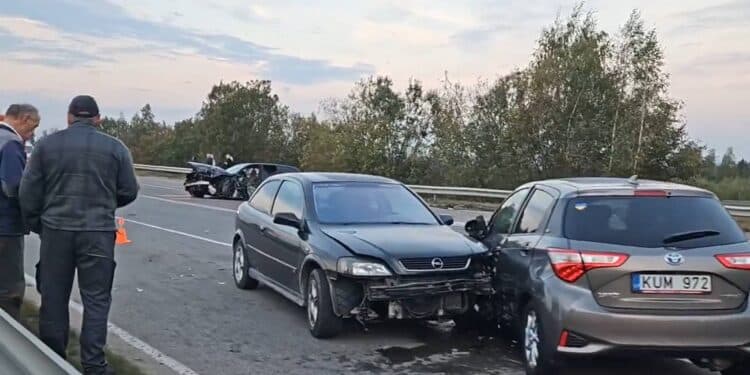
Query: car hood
{"x": 402, "y": 241}
{"x": 211, "y": 170}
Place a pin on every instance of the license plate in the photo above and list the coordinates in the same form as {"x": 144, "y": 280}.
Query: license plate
{"x": 671, "y": 283}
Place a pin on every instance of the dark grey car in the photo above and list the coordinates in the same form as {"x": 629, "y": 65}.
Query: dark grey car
{"x": 356, "y": 246}
{"x": 621, "y": 266}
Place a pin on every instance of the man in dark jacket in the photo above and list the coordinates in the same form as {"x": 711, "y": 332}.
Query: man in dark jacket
{"x": 75, "y": 180}
{"x": 16, "y": 128}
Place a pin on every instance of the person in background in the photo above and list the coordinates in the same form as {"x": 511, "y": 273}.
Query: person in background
{"x": 74, "y": 181}
{"x": 228, "y": 161}
{"x": 16, "y": 127}
{"x": 210, "y": 159}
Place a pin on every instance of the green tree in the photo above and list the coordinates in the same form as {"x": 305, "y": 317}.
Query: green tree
{"x": 246, "y": 120}
{"x": 708, "y": 167}
{"x": 728, "y": 166}
{"x": 743, "y": 169}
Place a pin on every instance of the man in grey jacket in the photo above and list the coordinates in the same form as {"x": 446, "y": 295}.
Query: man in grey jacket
{"x": 16, "y": 128}
{"x": 75, "y": 180}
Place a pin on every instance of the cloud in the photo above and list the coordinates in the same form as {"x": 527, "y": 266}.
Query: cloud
{"x": 727, "y": 15}
{"x": 479, "y": 35}
{"x": 735, "y": 62}
{"x": 107, "y": 20}
{"x": 41, "y": 51}
{"x": 496, "y": 18}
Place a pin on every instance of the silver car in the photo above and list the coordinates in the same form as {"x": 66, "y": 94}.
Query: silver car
{"x": 592, "y": 266}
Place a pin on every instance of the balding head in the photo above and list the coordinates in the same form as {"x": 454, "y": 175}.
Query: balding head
{"x": 24, "y": 118}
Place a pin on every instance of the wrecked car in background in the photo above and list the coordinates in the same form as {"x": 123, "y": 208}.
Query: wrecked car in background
{"x": 236, "y": 182}
{"x": 356, "y": 246}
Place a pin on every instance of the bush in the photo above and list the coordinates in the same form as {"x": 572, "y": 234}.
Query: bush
{"x": 736, "y": 188}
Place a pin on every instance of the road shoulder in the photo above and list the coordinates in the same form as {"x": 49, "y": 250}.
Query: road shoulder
{"x": 132, "y": 360}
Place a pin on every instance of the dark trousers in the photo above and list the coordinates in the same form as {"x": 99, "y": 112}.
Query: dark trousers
{"x": 12, "y": 282}
{"x": 92, "y": 255}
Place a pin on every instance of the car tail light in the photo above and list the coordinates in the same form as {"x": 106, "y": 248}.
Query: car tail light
{"x": 650, "y": 193}
{"x": 735, "y": 261}
{"x": 570, "y": 265}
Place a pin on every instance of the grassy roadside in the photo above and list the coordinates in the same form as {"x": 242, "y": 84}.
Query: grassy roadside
{"x": 30, "y": 319}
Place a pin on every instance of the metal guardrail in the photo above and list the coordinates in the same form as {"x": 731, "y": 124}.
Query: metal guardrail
{"x": 23, "y": 353}
{"x": 737, "y": 209}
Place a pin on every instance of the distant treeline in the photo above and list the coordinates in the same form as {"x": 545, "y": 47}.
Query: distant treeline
{"x": 587, "y": 104}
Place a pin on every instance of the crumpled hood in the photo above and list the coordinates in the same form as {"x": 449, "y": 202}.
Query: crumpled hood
{"x": 402, "y": 241}
{"x": 211, "y": 170}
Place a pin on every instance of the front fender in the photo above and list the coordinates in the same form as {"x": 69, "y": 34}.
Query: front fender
{"x": 238, "y": 236}
{"x": 342, "y": 291}
{"x": 312, "y": 261}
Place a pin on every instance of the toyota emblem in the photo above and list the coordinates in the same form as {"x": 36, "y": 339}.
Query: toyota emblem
{"x": 437, "y": 263}
{"x": 674, "y": 259}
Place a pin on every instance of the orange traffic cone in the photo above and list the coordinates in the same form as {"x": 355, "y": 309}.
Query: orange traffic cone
{"x": 122, "y": 235}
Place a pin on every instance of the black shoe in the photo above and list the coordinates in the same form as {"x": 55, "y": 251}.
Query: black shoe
{"x": 99, "y": 371}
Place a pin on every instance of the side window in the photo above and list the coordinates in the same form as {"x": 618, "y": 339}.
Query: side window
{"x": 263, "y": 199}
{"x": 507, "y": 213}
{"x": 533, "y": 214}
{"x": 290, "y": 199}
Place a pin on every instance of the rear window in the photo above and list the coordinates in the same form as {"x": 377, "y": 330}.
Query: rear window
{"x": 648, "y": 221}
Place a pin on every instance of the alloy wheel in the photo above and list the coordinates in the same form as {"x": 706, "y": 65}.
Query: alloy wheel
{"x": 312, "y": 302}
{"x": 239, "y": 263}
{"x": 531, "y": 339}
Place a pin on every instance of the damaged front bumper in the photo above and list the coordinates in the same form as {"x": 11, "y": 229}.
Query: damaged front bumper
{"x": 408, "y": 297}
{"x": 394, "y": 289}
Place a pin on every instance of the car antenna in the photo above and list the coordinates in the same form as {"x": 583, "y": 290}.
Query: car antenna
{"x": 633, "y": 180}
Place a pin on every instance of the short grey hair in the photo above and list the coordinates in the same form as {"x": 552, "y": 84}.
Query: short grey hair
{"x": 19, "y": 110}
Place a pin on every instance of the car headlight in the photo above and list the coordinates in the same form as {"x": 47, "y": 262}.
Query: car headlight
{"x": 361, "y": 267}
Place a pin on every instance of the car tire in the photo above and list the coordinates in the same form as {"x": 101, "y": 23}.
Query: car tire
{"x": 241, "y": 268}
{"x": 323, "y": 322}
{"x": 537, "y": 354}
{"x": 196, "y": 193}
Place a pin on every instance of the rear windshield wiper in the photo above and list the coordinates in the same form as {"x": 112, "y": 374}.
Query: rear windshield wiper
{"x": 679, "y": 237}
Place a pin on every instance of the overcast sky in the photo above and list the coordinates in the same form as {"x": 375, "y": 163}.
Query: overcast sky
{"x": 169, "y": 53}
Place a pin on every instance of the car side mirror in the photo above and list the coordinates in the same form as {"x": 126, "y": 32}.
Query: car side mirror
{"x": 476, "y": 228}
{"x": 288, "y": 219}
{"x": 447, "y": 219}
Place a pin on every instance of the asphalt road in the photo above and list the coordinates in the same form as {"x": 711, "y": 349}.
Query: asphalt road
{"x": 174, "y": 290}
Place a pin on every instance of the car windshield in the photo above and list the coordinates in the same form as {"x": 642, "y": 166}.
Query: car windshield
{"x": 368, "y": 203}
{"x": 655, "y": 222}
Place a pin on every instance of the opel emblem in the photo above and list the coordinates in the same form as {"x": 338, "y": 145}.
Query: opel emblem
{"x": 437, "y": 263}
{"x": 674, "y": 259}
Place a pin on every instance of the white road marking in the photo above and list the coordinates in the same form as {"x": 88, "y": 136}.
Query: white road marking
{"x": 133, "y": 341}
{"x": 179, "y": 233}
{"x": 188, "y": 203}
